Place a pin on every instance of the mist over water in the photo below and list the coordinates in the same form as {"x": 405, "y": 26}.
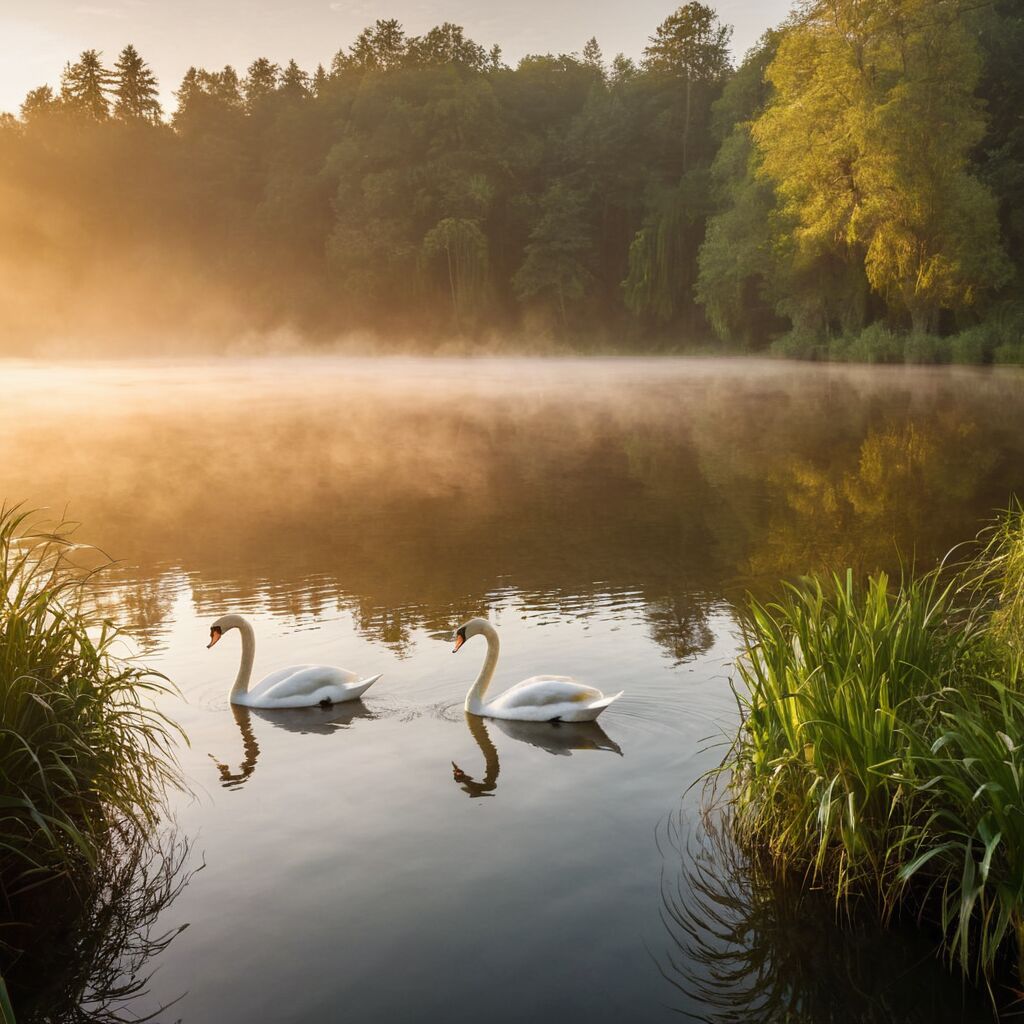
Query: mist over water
{"x": 609, "y": 516}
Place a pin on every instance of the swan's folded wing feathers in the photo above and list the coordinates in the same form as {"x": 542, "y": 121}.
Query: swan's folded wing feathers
{"x": 539, "y": 691}
{"x": 300, "y": 680}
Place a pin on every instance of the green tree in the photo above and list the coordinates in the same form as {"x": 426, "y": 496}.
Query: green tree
{"x": 662, "y": 257}
{"x": 593, "y": 57}
{"x": 557, "y": 268}
{"x": 382, "y": 47}
{"x": 38, "y": 103}
{"x": 205, "y": 97}
{"x": 135, "y": 89}
{"x": 319, "y": 81}
{"x": 295, "y": 82}
{"x": 261, "y": 81}
{"x": 447, "y": 44}
{"x": 461, "y": 248}
{"x": 85, "y": 85}
{"x": 739, "y": 259}
{"x": 691, "y": 45}
{"x": 1000, "y": 30}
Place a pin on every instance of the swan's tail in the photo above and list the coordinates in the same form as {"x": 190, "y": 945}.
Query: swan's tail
{"x": 594, "y": 709}
{"x": 362, "y": 685}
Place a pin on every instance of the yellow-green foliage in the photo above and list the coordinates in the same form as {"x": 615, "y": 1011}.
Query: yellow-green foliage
{"x": 867, "y": 139}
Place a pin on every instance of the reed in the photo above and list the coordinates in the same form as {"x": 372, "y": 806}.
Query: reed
{"x": 881, "y": 748}
{"x": 83, "y": 751}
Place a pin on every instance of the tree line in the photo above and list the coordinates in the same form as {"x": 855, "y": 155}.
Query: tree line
{"x": 853, "y": 188}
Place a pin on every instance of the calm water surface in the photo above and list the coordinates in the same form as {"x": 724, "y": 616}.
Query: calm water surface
{"x": 389, "y": 860}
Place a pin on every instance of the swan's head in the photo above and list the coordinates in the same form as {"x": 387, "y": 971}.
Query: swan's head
{"x": 470, "y": 629}
{"x": 221, "y": 626}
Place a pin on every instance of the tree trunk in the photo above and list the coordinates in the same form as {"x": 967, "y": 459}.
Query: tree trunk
{"x": 451, "y": 284}
{"x": 922, "y": 317}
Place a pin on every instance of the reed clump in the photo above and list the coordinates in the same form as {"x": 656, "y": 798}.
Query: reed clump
{"x": 881, "y": 750}
{"x": 84, "y": 754}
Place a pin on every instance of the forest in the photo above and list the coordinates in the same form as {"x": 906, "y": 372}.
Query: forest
{"x": 852, "y": 189}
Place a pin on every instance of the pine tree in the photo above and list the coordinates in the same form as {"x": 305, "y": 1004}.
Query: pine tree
{"x": 135, "y": 89}
{"x": 295, "y": 81}
{"x": 260, "y": 82}
{"x": 84, "y": 86}
{"x": 592, "y": 55}
{"x": 380, "y": 48}
{"x": 319, "y": 80}
{"x": 691, "y": 44}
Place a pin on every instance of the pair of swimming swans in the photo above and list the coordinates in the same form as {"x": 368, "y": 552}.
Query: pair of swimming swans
{"x": 538, "y": 699}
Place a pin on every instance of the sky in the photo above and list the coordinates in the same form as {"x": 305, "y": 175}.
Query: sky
{"x": 37, "y": 37}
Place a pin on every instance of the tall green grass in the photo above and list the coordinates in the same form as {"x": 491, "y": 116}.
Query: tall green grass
{"x": 881, "y": 750}
{"x": 82, "y": 750}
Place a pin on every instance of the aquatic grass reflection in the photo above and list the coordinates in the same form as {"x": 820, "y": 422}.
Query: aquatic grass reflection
{"x": 86, "y": 957}
{"x": 747, "y": 944}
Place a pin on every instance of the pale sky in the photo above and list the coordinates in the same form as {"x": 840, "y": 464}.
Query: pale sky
{"x": 37, "y": 37}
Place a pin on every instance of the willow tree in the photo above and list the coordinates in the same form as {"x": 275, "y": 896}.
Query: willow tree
{"x": 661, "y": 272}
{"x": 867, "y": 140}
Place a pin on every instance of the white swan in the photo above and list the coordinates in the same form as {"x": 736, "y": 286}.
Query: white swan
{"x": 300, "y": 686}
{"x": 539, "y": 699}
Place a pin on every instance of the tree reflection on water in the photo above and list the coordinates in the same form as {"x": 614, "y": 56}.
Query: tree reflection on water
{"x": 665, "y": 485}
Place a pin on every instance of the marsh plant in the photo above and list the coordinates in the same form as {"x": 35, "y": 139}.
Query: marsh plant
{"x": 881, "y": 750}
{"x": 85, "y": 756}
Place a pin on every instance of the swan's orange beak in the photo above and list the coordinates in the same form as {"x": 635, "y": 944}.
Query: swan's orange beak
{"x": 215, "y": 635}
{"x": 459, "y": 641}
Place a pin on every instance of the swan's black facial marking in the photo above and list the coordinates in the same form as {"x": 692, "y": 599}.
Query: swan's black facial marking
{"x": 460, "y": 638}
{"x": 215, "y": 634}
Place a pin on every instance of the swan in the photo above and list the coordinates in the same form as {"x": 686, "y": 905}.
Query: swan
{"x": 299, "y": 686}
{"x": 538, "y": 699}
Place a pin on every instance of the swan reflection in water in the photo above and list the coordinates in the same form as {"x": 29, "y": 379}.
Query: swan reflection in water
{"x": 322, "y": 720}
{"x": 560, "y": 738}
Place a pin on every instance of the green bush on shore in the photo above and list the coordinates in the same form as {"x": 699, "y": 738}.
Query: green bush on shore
{"x": 881, "y": 749}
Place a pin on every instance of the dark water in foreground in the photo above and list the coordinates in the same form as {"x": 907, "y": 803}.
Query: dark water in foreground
{"x": 390, "y": 861}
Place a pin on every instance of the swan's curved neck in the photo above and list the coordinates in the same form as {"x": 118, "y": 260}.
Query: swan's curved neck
{"x": 475, "y": 697}
{"x": 248, "y": 655}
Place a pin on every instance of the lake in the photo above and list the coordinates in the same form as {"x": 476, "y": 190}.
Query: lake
{"x": 392, "y": 860}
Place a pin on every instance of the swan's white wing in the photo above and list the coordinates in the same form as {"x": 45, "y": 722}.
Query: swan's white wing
{"x": 540, "y": 691}
{"x": 300, "y": 681}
